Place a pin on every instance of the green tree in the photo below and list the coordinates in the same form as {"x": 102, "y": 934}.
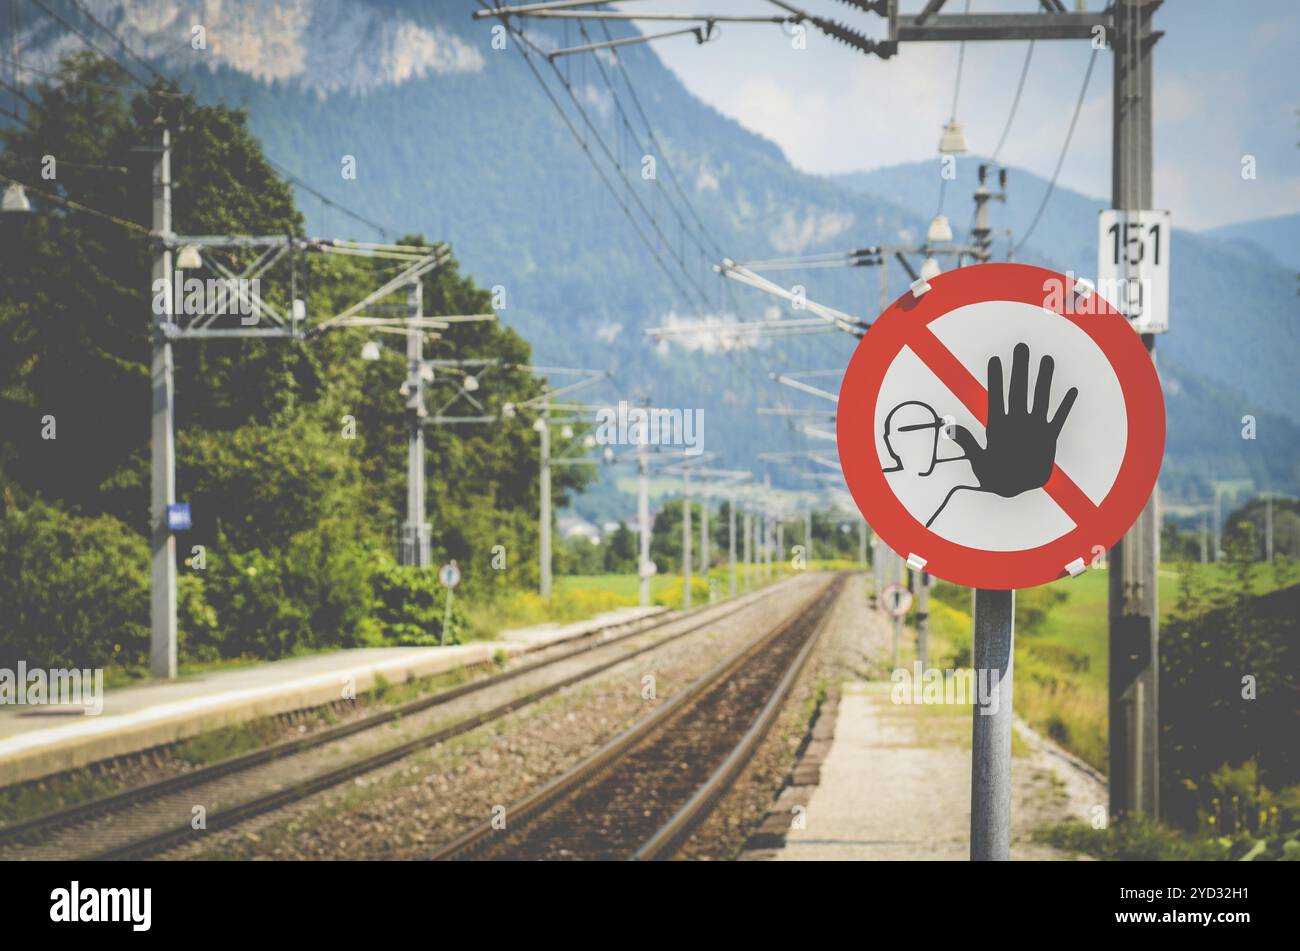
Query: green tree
{"x": 297, "y": 514}
{"x": 620, "y": 551}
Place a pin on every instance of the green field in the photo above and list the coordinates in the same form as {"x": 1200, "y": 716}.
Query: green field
{"x": 623, "y": 586}
{"x": 1062, "y": 658}
{"x": 1080, "y": 621}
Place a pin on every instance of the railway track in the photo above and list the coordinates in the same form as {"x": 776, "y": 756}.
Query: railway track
{"x": 149, "y": 819}
{"x": 643, "y": 793}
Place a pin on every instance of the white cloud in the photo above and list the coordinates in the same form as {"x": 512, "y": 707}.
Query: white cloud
{"x": 832, "y": 109}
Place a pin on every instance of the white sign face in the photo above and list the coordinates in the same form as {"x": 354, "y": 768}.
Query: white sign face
{"x": 449, "y": 575}
{"x": 1000, "y": 426}
{"x": 1133, "y": 266}
{"x": 918, "y": 413}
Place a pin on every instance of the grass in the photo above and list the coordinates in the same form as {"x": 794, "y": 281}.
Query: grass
{"x": 1140, "y": 839}
{"x": 1061, "y": 658}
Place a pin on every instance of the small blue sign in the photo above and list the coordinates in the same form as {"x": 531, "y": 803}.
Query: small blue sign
{"x": 178, "y": 517}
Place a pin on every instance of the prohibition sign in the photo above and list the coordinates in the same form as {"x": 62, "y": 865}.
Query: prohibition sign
{"x": 897, "y": 600}
{"x": 985, "y": 484}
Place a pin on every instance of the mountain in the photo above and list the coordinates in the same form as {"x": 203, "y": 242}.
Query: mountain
{"x": 1279, "y": 237}
{"x": 458, "y": 140}
{"x": 1233, "y": 336}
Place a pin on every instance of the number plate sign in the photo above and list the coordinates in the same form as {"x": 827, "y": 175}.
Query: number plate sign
{"x": 1133, "y": 266}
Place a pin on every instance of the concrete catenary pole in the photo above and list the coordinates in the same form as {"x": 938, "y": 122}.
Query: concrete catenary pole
{"x": 705, "y": 554}
{"x": 769, "y": 537}
{"x": 749, "y": 543}
{"x": 1133, "y": 607}
{"x": 923, "y": 619}
{"x": 643, "y": 524}
{"x": 1268, "y": 527}
{"x": 544, "y": 517}
{"x": 415, "y": 532}
{"x": 731, "y": 541}
{"x": 162, "y": 488}
{"x": 686, "y": 538}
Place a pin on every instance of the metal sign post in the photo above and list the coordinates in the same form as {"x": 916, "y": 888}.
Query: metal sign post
{"x": 449, "y": 575}
{"x": 990, "y": 790}
{"x": 1071, "y": 416}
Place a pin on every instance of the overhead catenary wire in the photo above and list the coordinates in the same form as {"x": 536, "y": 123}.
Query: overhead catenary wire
{"x": 672, "y": 175}
{"x": 296, "y": 180}
{"x": 661, "y": 156}
{"x": 1011, "y": 118}
{"x": 1065, "y": 148}
{"x": 952, "y": 113}
{"x": 77, "y": 206}
{"x": 89, "y": 42}
{"x": 525, "y": 44}
{"x": 604, "y": 147}
{"x": 1015, "y": 102}
{"x": 129, "y": 52}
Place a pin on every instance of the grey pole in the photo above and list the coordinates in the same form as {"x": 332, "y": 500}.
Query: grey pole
{"x": 544, "y": 517}
{"x": 643, "y": 524}
{"x": 768, "y": 537}
{"x": 1204, "y": 539}
{"x": 780, "y": 539}
{"x": 807, "y": 535}
{"x": 704, "y": 537}
{"x": 1268, "y": 527}
{"x": 162, "y": 481}
{"x": 1133, "y": 608}
{"x": 415, "y": 533}
{"x": 731, "y": 541}
{"x": 898, "y": 636}
{"x": 923, "y": 619}
{"x": 862, "y": 543}
{"x": 875, "y": 573}
{"x": 1218, "y": 524}
{"x": 749, "y": 532}
{"x": 990, "y": 794}
{"x": 686, "y": 538}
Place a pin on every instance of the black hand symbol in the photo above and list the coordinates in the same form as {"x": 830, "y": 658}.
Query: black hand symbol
{"x": 1020, "y": 440}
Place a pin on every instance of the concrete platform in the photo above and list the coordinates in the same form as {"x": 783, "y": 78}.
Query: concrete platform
{"x": 895, "y": 784}
{"x": 36, "y": 741}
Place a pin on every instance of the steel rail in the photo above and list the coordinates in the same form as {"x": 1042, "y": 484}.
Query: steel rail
{"x": 17, "y": 832}
{"x": 541, "y": 800}
{"x": 241, "y": 812}
{"x": 673, "y": 833}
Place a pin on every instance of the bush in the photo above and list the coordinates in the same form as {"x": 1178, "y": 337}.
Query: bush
{"x": 671, "y": 597}
{"x": 314, "y": 595}
{"x": 411, "y": 605}
{"x": 75, "y": 590}
{"x": 1227, "y": 699}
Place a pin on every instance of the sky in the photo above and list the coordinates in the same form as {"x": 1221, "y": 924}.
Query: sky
{"x": 1226, "y": 82}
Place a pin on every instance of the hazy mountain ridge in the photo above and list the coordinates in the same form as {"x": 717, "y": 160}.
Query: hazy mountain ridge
{"x": 476, "y": 154}
{"x": 1278, "y": 237}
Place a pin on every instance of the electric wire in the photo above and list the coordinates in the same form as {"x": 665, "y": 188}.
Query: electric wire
{"x": 1065, "y": 148}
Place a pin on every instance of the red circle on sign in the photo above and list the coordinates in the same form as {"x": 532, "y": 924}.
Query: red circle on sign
{"x": 909, "y": 317}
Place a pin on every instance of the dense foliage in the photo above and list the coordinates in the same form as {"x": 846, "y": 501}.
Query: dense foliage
{"x": 295, "y": 508}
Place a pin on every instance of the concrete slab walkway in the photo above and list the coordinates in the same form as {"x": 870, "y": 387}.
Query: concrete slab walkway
{"x": 36, "y": 741}
{"x": 896, "y": 785}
